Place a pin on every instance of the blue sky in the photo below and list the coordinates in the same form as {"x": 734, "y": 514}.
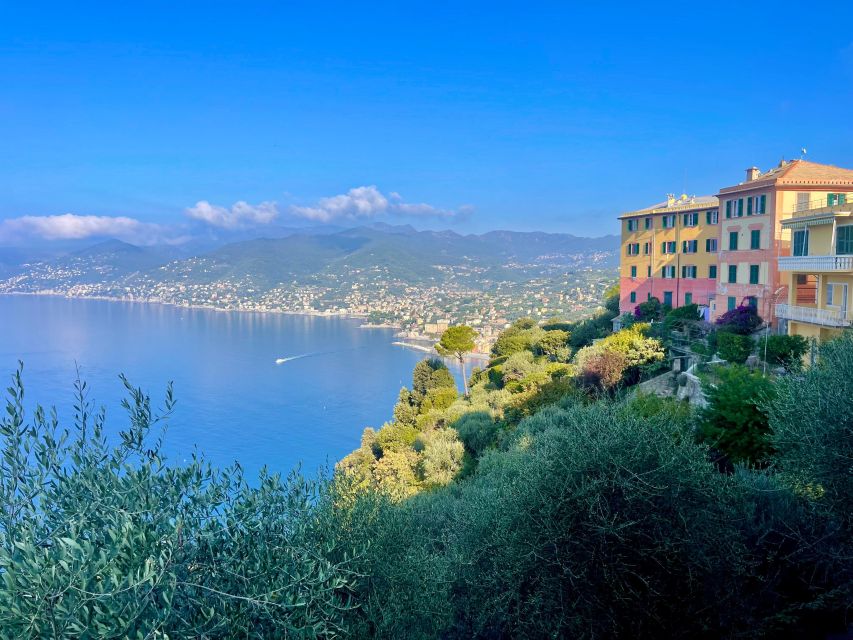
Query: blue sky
{"x": 474, "y": 116}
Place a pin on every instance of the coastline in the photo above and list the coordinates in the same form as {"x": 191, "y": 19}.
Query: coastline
{"x": 203, "y": 307}
{"x": 418, "y": 346}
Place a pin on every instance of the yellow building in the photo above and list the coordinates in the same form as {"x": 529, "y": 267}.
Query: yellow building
{"x": 669, "y": 251}
{"x": 819, "y": 269}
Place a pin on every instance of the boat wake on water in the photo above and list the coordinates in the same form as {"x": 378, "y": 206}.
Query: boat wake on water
{"x": 312, "y": 355}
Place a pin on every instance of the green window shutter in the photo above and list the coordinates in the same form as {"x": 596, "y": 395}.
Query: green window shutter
{"x": 732, "y": 303}
{"x": 755, "y": 239}
{"x": 763, "y": 204}
{"x": 842, "y": 198}
{"x": 749, "y": 206}
{"x": 634, "y": 272}
{"x": 728, "y": 208}
{"x": 633, "y": 296}
{"x": 649, "y": 272}
{"x": 753, "y": 274}
{"x": 740, "y": 208}
{"x": 831, "y": 199}
{"x": 688, "y": 298}
{"x": 732, "y": 240}
{"x": 712, "y": 272}
{"x": 732, "y": 273}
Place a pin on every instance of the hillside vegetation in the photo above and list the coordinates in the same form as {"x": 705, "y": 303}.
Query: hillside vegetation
{"x": 548, "y": 503}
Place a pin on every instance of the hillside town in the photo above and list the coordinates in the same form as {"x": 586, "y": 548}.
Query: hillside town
{"x": 419, "y": 312}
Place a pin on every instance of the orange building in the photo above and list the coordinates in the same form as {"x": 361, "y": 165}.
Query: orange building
{"x": 669, "y": 251}
{"x": 752, "y": 238}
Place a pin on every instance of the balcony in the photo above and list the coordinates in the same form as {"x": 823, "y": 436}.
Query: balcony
{"x": 813, "y": 315}
{"x": 816, "y": 264}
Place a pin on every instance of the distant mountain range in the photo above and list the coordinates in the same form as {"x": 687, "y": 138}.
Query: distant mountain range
{"x": 398, "y": 252}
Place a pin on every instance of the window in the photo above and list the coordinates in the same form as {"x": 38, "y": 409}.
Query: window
{"x": 732, "y": 273}
{"x": 648, "y": 223}
{"x": 740, "y": 208}
{"x": 667, "y": 247}
{"x": 733, "y": 240}
{"x": 688, "y": 298}
{"x": 688, "y": 271}
{"x": 649, "y": 272}
{"x": 833, "y": 199}
{"x": 634, "y": 271}
{"x": 667, "y": 298}
{"x": 711, "y": 245}
{"x": 844, "y": 240}
{"x": 801, "y": 242}
{"x": 712, "y": 217}
{"x": 633, "y": 225}
{"x": 756, "y": 205}
{"x": 752, "y": 302}
{"x": 691, "y": 219}
{"x": 633, "y": 296}
{"x": 836, "y": 295}
{"x": 732, "y": 303}
{"x": 667, "y": 272}
{"x": 802, "y": 201}
{"x": 647, "y": 246}
{"x": 669, "y": 221}
{"x": 755, "y": 239}
{"x": 633, "y": 248}
{"x": 753, "y": 273}
{"x": 712, "y": 272}
{"x": 689, "y": 246}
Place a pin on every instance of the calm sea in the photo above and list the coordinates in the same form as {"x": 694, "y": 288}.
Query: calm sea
{"x": 234, "y": 401}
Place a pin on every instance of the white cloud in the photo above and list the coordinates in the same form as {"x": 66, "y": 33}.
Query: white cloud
{"x": 239, "y": 216}
{"x": 69, "y": 226}
{"x": 369, "y": 202}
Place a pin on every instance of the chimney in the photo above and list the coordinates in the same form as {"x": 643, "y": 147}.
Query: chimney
{"x": 752, "y": 173}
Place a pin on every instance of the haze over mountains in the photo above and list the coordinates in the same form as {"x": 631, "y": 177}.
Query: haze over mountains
{"x": 300, "y": 255}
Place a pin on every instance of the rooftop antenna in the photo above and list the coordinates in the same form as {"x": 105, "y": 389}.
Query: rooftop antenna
{"x": 803, "y": 153}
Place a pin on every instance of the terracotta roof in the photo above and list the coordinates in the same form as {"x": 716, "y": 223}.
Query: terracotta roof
{"x": 798, "y": 173}
{"x": 691, "y": 203}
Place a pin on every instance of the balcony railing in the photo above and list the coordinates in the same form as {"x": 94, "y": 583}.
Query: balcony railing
{"x": 816, "y": 264}
{"x": 806, "y": 208}
{"x": 813, "y": 315}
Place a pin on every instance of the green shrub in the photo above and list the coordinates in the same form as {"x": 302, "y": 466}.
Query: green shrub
{"x": 785, "y": 351}
{"x": 735, "y": 421}
{"x": 733, "y": 347}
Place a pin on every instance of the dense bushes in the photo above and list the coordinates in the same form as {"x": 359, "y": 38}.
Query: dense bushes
{"x": 611, "y": 360}
{"x": 785, "y": 351}
{"x": 733, "y": 347}
{"x": 593, "y": 522}
{"x": 735, "y": 421}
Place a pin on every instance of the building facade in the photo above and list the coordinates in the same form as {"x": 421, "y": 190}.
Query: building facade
{"x": 669, "y": 251}
{"x": 818, "y": 269}
{"x": 752, "y": 238}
